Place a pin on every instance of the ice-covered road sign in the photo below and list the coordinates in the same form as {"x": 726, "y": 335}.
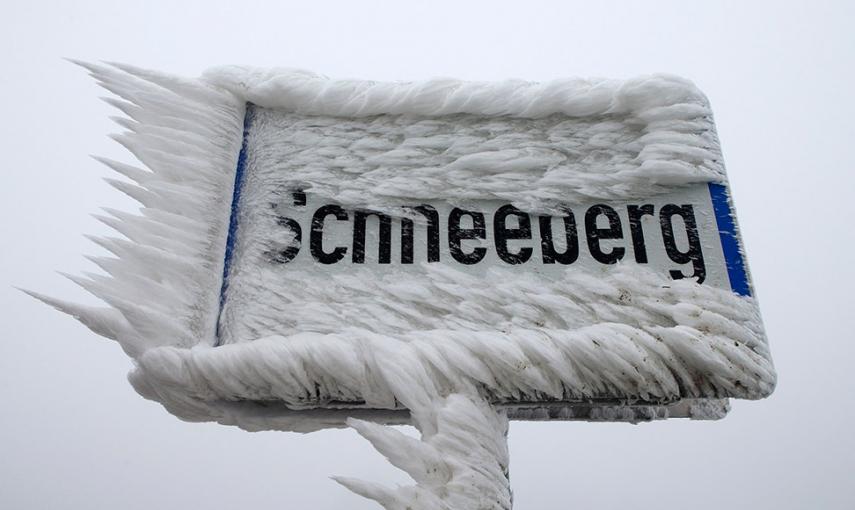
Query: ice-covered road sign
{"x": 284, "y": 244}
{"x": 687, "y": 234}
{"x": 311, "y": 249}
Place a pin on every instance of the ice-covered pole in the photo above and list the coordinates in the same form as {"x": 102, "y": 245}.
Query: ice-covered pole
{"x": 461, "y": 460}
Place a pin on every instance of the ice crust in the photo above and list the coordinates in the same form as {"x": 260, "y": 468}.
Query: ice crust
{"x": 535, "y": 163}
{"x": 630, "y": 336}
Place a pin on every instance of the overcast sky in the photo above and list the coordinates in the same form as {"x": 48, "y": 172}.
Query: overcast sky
{"x": 73, "y": 433}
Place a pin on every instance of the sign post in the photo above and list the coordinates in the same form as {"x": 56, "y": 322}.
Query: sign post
{"x": 312, "y": 253}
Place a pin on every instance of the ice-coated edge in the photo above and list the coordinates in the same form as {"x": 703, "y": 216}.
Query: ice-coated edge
{"x": 163, "y": 288}
{"x": 658, "y": 97}
{"x": 164, "y": 282}
{"x": 677, "y": 146}
{"x": 656, "y": 341}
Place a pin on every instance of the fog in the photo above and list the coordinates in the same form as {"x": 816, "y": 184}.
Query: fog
{"x": 74, "y": 434}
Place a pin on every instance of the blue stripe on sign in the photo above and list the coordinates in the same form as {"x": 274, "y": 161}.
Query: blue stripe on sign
{"x": 729, "y": 240}
{"x": 233, "y": 218}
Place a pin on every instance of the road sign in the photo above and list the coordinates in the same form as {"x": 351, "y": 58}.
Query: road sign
{"x": 565, "y": 250}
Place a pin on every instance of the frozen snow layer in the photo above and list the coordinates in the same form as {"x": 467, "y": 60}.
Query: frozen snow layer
{"x": 654, "y": 98}
{"x": 366, "y": 143}
{"x": 631, "y": 335}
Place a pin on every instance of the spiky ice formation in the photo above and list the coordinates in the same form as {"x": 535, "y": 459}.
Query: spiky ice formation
{"x": 163, "y": 284}
{"x": 461, "y": 459}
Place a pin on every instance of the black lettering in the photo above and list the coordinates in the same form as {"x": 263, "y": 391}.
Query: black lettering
{"x": 384, "y": 248}
{"x": 406, "y": 241}
{"x": 502, "y": 234}
{"x": 432, "y": 235}
{"x": 547, "y": 244}
{"x": 457, "y": 234}
{"x": 316, "y": 240}
{"x": 635, "y": 229}
{"x": 287, "y": 254}
{"x": 694, "y": 254}
{"x": 596, "y": 234}
{"x": 299, "y": 199}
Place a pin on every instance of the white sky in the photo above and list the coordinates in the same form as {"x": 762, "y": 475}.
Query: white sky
{"x": 73, "y": 433}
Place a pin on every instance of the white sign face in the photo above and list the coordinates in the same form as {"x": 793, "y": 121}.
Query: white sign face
{"x": 286, "y": 244}
{"x": 676, "y": 234}
{"x": 307, "y": 237}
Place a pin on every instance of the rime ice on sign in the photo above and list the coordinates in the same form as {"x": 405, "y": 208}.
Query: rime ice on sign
{"x": 559, "y": 233}
{"x": 443, "y": 253}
